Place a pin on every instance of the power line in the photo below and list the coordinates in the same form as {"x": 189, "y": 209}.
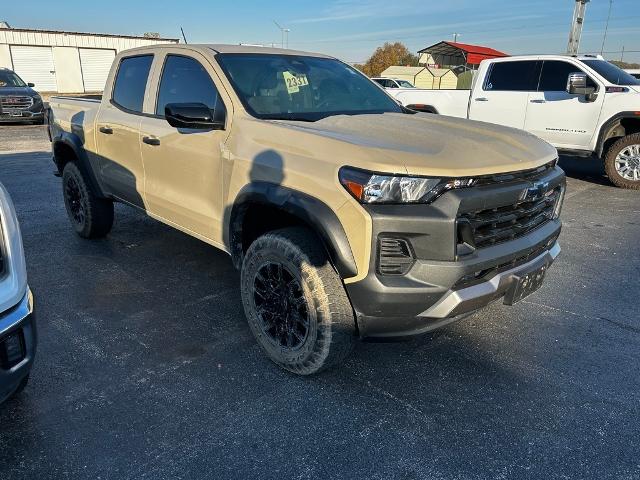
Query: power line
{"x": 606, "y": 28}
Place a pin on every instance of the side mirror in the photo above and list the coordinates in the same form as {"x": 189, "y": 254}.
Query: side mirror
{"x": 31, "y": 84}
{"x": 192, "y": 115}
{"x": 577, "y": 84}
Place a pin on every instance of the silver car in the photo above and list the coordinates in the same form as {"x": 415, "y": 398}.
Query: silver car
{"x": 17, "y": 320}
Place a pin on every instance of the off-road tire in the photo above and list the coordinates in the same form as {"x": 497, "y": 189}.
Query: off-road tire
{"x": 610, "y": 162}
{"x": 90, "y": 216}
{"x": 330, "y": 336}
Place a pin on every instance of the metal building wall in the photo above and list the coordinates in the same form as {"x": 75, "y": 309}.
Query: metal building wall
{"x": 67, "y": 75}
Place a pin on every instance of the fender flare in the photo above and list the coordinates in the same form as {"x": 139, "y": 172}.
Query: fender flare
{"x": 308, "y": 209}
{"x": 73, "y": 141}
{"x": 423, "y": 108}
{"x": 607, "y": 127}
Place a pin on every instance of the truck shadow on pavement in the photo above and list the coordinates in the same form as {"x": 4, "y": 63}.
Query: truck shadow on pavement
{"x": 589, "y": 169}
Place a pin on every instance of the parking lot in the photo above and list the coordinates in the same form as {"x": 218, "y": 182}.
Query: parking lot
{"x": 146, "y": 367}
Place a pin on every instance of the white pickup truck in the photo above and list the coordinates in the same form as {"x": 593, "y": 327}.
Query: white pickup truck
{"x": 582, "y": 105}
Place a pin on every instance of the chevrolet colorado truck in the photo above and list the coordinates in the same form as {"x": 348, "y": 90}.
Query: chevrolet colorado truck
{"x": 347, "y": 214}
{"x": 582, "y": 105}
{"x": 17, "y": 318}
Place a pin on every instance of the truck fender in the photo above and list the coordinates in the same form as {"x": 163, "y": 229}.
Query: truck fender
{"x": 64, "y": 141}
{"x": 609, "y": 127}
{"x": 306, "y": 208}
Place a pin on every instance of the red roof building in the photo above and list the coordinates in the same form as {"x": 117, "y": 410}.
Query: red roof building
{"x": 453, "y": 54}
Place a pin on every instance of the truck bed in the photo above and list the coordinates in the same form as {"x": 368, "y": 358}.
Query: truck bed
{"x": 454, "y": 103}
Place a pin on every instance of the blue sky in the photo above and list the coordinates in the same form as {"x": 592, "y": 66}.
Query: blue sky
{"x": 349, "y": 29}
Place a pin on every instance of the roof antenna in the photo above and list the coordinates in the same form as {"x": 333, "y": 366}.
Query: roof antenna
{"x": 183, "y": 36}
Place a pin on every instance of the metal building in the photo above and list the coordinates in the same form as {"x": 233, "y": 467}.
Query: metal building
{"x": 64, "y": 62}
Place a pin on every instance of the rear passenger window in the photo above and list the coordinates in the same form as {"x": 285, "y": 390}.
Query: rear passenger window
{"x": 184, "y": 80}
{"x": 514, "y": 76}
{"x": 555, "y": 75}
{"x": 131, "y": 82}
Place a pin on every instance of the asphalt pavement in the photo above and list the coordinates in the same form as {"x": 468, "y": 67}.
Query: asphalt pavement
{"x": 146, "y": 367}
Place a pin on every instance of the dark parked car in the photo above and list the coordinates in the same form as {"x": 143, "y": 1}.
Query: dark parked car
{"x": 19, "y": 102}
{"x": 17, "y": 318}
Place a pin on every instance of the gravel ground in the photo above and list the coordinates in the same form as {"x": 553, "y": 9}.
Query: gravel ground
{"x": 146, "y": 367}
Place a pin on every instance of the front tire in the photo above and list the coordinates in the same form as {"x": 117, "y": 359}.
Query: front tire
{"x": 90, "y": 215}
{"x": 622, "y": 162}
{"x": 295, "y": 303}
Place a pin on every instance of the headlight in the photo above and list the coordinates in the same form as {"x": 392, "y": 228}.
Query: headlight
{"x": 370, "y": 187}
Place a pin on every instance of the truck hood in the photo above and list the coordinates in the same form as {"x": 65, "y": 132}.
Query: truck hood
{"x": 27, "y": 91}
{"x": 435, "y": 145}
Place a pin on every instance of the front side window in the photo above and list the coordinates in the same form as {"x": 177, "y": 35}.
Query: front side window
{"x": 612, "y": 73}
{"x": 185, "y": 80}
{"x": 555, "y": 75}
{"x": 518, "y": 76}
{"x": 305, "y": 88}
{"x": 131, "y": 82}
{"x": 10, "y": 79}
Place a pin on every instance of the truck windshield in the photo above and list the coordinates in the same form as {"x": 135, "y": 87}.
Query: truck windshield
{"x": 10, "y": 79}
{"x": 405, "y": 84}
{"x": 294, "y": 87}
{"x": 611, "y": 73}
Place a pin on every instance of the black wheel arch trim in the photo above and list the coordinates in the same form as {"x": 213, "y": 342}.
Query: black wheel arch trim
{"x": 423, "y": 108}
{"x": 607, "y": 126}
{"x": 308, "y": 209}
{"x": 72, "y": 141}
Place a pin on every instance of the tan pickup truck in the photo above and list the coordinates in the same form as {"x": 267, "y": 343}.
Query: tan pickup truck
{"x": 349, "y": 215}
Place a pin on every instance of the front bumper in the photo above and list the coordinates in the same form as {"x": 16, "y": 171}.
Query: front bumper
{"x": 446, "y": 283}
{"x": 21, "y": 116}
{"x": 17, "y": 333}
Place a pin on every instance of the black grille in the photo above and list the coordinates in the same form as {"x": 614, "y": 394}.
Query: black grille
{"x": 484, "y": 228}
{"x": 394, "y": 256}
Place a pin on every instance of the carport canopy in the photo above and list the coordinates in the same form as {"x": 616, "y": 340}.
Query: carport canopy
{"x": 473, "y": 53}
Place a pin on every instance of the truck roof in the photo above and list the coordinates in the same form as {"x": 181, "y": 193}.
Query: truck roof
{"x": 222, "y": 48}
{"x": 544, "y": 56}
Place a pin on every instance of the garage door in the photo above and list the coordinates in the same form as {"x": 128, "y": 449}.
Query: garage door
{"x": 35, "y": 65}
{"x": 95, "y": 68}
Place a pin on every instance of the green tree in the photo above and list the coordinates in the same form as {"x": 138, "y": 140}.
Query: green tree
{"x": 386, "y": 56}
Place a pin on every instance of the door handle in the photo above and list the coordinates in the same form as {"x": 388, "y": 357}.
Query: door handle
{"x": 106, "y": 130}
{"x": 538, "y": 101}
{"x": 482, "y": 99}
{"x": 151, "y": 141}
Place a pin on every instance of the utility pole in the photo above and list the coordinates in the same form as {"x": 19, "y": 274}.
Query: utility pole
{"x": 285, "y": 35}
{"x": 606, "y": 28}
{"x": 455, "y": 37}
{"x": 576, "y": 27}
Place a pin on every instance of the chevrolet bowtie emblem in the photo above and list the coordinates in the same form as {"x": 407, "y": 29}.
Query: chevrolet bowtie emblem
{"x": 535, "y": 191}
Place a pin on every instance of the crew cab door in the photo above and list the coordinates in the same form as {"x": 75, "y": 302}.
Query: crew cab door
{"x": 120, "y": 170}
{"x": 183, "y": 166}
{"x": 503, "y": 96}
{"x": 560, "y": 118}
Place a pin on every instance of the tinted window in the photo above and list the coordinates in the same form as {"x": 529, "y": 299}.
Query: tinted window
{"x": 613, "y": 74}
{"x": 304, "y": 88}
{"x": 513, "y": 76}
{"x": 184, "y": 80}
{"x": 131, "y": 82}
{"x": 555, "y": 75}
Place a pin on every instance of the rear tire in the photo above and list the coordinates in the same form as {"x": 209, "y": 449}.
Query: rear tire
{"x": 295, "y": 303}
{"x": 90, "y": 216}
{"x": 622, "y": 162}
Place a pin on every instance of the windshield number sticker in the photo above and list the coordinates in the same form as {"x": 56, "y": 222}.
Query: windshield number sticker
{"x": 294, "y": 82}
